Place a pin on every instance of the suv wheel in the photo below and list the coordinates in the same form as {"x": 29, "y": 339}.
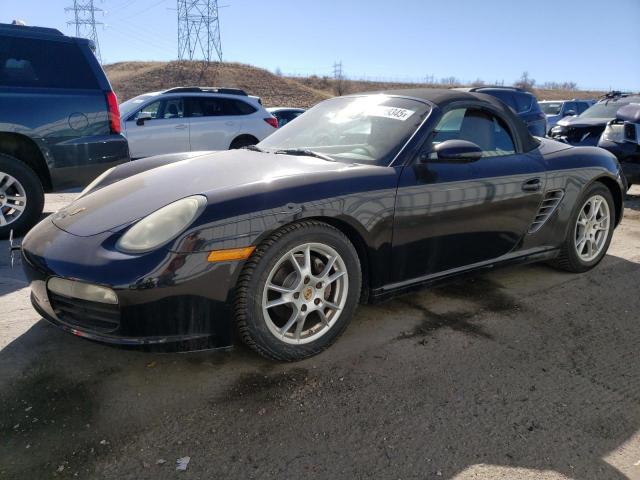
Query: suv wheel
{"x": 21, "y": 196}
{"x": 243, "y": 141}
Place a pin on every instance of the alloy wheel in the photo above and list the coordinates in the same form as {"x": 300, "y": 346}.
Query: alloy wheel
{"x": 592, "y": 228}
{"x": 305, "y": 293}
{"x": 13, "y": 199}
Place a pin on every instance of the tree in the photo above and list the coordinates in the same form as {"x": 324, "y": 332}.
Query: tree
{"x": 525, "y": 82}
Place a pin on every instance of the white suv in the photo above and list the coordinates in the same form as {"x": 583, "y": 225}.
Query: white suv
{"x": 192, "y": 119}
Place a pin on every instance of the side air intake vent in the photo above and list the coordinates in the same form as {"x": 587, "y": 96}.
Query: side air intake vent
{"x": 547, "y": 207}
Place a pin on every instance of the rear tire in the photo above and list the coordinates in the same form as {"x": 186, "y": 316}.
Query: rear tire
{"x": 243, "y": 141}
{"x": 21, "y": 196}
{"x": 290, "y": 312}
{"x": 590, "y": 231}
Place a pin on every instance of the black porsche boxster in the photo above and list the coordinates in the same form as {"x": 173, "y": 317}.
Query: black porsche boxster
{"x": 362, "y": 197}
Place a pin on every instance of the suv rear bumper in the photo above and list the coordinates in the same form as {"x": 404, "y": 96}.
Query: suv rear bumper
{"x": 78, "y": 161}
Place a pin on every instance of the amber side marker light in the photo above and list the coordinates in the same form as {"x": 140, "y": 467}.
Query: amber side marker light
{"x": 230, "y": 254}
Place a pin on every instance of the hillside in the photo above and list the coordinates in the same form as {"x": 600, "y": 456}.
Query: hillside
{"x": 133, "y": 78}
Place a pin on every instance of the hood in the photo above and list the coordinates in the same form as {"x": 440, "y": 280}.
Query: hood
{"x": 136, "y": 196}
{"x": 583, "y": 122}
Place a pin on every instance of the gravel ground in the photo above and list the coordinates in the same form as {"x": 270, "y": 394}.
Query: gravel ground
{"x": 523, "y": 373}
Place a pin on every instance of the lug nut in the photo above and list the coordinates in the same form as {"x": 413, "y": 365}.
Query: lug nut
{"x": 317, "y": 301}
{"x": 319, "y": 285}
{"x": 303, "y": 308}
{"x": 296, "y": 295}
{"x": 306, "y": 280}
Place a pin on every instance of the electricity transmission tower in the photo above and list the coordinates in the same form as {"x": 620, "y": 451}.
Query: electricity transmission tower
{"x": 199, "y": 30}
{"x": 85, "y": 21}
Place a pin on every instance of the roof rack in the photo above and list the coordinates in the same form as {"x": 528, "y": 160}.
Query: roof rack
{"x": 505, "y": 87}
{"x": 614, "y": 94}
{"x": 228, "y": 91}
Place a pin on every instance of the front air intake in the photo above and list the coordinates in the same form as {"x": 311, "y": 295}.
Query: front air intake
{"x": 547, "y": 207}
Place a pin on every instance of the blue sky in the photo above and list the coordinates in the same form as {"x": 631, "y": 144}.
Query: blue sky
{"x": 494, "y": 40}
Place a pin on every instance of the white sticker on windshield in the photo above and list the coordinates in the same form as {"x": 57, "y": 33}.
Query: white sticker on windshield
{"x": 390, "y": 112}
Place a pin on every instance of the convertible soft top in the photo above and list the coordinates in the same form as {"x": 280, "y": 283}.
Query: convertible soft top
{"x": 442, "y": 97}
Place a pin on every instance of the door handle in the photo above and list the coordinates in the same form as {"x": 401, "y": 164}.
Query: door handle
{"x": 182, "y": 126}
{"x": 532, "y": 185}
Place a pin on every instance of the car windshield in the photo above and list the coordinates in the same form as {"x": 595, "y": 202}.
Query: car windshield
{"x": 603, "y": 109}
{"x": 130, "y": 105}
{"x": 551, "y": 108}
{"x": 358, "y": 129}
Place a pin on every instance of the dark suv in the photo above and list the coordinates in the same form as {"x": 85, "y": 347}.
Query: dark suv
{"x": 59, "y": 120}
{"x": 522, "y": 102}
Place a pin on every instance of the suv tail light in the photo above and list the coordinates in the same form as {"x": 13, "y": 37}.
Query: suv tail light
{"x": 113, "y": 112}
{"x": 273, "y": 121}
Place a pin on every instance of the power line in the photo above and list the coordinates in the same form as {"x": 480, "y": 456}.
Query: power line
{"x": 198, "y": 30}
{"x": 85, "y": 21}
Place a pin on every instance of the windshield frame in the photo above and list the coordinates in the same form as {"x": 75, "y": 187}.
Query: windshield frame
{"x": 430, "y": 106}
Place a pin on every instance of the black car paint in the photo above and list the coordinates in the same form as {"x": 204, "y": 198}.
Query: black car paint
{"x": 69, "y": 126}
{"x": 396, "y": 216}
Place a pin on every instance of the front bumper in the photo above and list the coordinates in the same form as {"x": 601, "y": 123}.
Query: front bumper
{"x": 177, "y": 301}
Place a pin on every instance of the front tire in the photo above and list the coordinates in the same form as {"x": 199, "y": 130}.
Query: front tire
{"x": 298, "y": 291}
{"x": 590, "y": 231}
{"x": 21, "y": 196}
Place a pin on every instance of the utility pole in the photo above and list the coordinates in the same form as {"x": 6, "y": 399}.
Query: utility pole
{"x": 199, "y": 30}
{"x": 338, "y": 77}
{"x": 85, "y": 21}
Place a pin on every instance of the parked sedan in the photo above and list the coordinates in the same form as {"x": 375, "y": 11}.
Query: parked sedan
{"x": 363, "y": 197}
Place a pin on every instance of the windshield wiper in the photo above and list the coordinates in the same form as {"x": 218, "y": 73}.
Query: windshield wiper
{"x": 304, "y": 152}
{"x": 253, "y": 148}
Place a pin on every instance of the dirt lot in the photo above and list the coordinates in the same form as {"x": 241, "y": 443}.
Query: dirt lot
{"x": 523, "y": 373}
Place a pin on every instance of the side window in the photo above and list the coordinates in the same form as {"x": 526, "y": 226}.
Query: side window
{"x": 523, "y": 102}
{"x": 503, "y": 95}
{"x": 484, "y": 129}
{"x": 171, "y": 108}
{"x": 205, "y": 107}
{"x": 27, "y": 62}
{"x": 582, "y": 106}
{"x": 569, "y": 106}
{"x": 242, "y": 108}
{"x": 150, "y": 110}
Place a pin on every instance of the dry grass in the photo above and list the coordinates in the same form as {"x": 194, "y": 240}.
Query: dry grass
{"x": 133, "y": 78}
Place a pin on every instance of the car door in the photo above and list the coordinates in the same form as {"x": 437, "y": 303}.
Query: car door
{"x": 158, "y": 128}
{"x": 450, "y": 215}
{"x": 212, "y": 125}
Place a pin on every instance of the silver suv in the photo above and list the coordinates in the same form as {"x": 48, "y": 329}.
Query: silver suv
{"x": 187, "y": 119}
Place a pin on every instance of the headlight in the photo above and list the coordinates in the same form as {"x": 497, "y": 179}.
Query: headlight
{"x": 614, "y": 132}
{"x": 95, "y": 182}
{"x": 557, "y": 129}
{"x": 162, "y": 225}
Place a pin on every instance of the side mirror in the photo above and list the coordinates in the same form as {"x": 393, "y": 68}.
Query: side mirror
{"x": 142, "y": 118}
{"x": 457, "y": 151}
{"x": 570, "y": 113}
